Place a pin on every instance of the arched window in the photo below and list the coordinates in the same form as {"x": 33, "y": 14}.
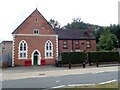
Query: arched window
{"x": 36, "y": 20}
{"x": 23, "y": 48}
{"x": 48, "y": 49}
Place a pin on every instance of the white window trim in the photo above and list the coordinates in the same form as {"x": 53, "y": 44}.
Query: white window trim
{"x": 48, "y": 57}
{"x": 36, "y": 30}
{"x": 88, "y": 44}
{"x": 23, "y": 51}
{"x": 65, "y": 44}
{"x": 22, "y": 57}
{"x": 36, "y": 20}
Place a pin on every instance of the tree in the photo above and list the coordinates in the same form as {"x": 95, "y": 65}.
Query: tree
{"x": 97, "y": 31}
{"x": 54, "y": 23}
{"x": 76, "y": 24}
{"x": 115, "y": 29}
{"x": 107, "y": 41}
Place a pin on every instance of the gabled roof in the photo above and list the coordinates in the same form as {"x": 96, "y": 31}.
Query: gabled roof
{"x": 6, "y": 41}
{"x": 74, "y": 34}
{"x": 27, "y": 18}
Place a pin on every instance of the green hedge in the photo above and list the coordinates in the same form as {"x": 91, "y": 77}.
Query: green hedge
{"x": 103, "y": 57}
{"x": 93, "y": 57}
{"x": 73, "y": 57}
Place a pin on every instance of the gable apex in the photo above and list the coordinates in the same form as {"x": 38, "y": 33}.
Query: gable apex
{"x": 35, "y": 12}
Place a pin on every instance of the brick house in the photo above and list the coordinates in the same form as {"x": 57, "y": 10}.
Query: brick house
{"x": 35, "y": 42}
{"x": 76, "y": 40}
{"x": 5, "y": 53}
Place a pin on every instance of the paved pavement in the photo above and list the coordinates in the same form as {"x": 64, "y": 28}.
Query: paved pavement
{"x": 47, "y": 71}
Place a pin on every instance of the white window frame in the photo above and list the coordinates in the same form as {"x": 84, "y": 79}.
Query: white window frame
{"x": 36, "y": 20}
{"x": 65, "y": 44}
{"x": 48, "y": 50}
{"x": 88, "y": 44}
{"x": 23, "y": 51}
{"x": 77, "y": 45}
{"x": 37, "y": 30}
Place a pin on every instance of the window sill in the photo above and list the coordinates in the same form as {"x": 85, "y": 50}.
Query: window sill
{"x": 36, "y": 34}
{"x": 88, "y": 47}
{"x": 48, "y": 57}
{"x": 22, "y": 58}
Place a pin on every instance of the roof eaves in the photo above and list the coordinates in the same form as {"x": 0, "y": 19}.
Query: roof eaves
{"x": 6, "y": 41}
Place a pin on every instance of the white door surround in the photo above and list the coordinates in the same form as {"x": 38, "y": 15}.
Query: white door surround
{"x": 39, "y": 57}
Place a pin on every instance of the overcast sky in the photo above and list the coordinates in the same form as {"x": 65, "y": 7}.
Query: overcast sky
{"x": 13, "y": 12}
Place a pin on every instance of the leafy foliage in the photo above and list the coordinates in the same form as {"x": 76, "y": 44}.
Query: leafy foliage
{"x": 73, "y": 57}
{"x": 103, "y": 57}
{"x": 93, "y": 57}
{"x": 54, "y": 23}
{"x": 115, "y": 29}
{"x": 107, "y": 41}
{"x": 76, "y": 24}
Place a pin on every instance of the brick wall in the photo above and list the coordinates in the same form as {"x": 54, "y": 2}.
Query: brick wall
{"x": 35, "y": 42}
{"x": 82, "y": 45}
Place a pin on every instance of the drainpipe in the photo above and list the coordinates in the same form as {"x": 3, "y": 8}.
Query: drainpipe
{"x": 72, "y": 46}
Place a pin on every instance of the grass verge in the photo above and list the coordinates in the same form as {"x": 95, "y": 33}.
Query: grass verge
{"x": 108, "y": 86}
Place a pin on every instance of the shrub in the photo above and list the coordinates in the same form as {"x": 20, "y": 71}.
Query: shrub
{"x": 103, "y": 57}
{"x": 73, "y": 57}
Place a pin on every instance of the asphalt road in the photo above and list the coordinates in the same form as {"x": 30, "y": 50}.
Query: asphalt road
{"x": 51, "y": 82}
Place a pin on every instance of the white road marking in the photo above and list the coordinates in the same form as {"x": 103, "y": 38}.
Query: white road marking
{"x": 57, "y": 81}
{"x": 59, "y": 86}
{"x": 98, "y": 72}
{"x": 72, "y": 85}
{"x": 108, "y": 82}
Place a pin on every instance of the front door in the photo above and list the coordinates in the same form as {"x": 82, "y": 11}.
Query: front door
{"x": 36, "y": 57}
